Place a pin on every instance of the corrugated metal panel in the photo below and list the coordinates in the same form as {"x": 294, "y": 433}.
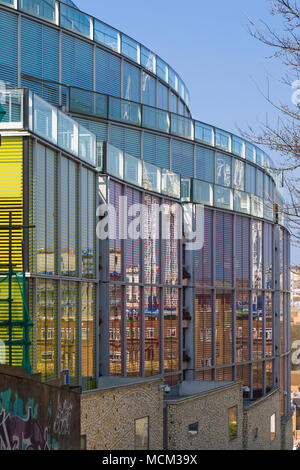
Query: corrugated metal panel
{"x": 77, "y": 63}
{"x": 108, "y": 73}
{"x": 8, "y": 55}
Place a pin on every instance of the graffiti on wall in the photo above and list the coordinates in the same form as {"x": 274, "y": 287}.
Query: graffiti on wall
{"x": 63, "y": 418}
{"x": 18, "y": 433}
{"x": 21, "y": 430}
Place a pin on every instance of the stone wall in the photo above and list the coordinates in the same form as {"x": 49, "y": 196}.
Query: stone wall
{"x": 108, "y": 415}
{"x": 257, "y": 431}
{"x": 210, "y": 410}
{"x": 287, "y": 436}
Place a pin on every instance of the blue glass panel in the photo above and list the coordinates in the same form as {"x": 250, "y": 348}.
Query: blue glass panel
{"x": 237, "y": 145}
{"x": 222, "y": 139}
{"x": 156, "y": 119}
{"x": 204, "y": 133}
{"x": 223, "y": 170}
{"x": 106, "y": 35}
{"x": 161, "y": 69}
{"x": 148, "y": 89}
{"x": 131, "y": 82}
{"x": 46, "y": 9}
{"x": 124, "y": 111}
{"x": 8, "y": 55}
{"x": 77, "y": 72}
{"x": 130, "y": 48}
{"x": 148, "y": 59}
{"x": 162, "y": 96}
{"x": 182, "y": 126}
{"x": 205, "y": 163}
{"x": 108, "y": 73}
{"x": 75, "y": 21}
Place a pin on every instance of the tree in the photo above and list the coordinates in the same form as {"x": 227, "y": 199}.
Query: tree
{"x": 284, "y": 137}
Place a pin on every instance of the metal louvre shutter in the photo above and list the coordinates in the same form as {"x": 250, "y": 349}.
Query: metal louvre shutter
{"x": 150, "y": 148}
{"x": 163, "y": 152}
{"x": 157, "y": 150}
{"x": 128, "y": 140}
{"x": 203, "y": 257}
{"x": 108, "y": 73}
{"x": 204, "y": 164}
{"x": 133, "y": 142}
{"x": 77, "y": 63}
{"x": 32, "y": 48}
{"x": 117, "y": 137}
{"x": 98, "y": 128}
{"x": 183, "y": 158}
{"x": 224, "y": 254}
{"x": 242, "y": 251}
{"x": 8, "y": 53}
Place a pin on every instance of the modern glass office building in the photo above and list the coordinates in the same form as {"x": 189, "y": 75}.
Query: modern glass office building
{"x": 106, "y": 117}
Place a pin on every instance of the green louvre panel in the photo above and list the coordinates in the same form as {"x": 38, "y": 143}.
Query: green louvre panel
{"x": 8, "y": 54}
{"x": 15, "y": 325}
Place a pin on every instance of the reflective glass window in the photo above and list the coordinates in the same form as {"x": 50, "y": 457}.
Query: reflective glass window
{"x": 223, "y": 170}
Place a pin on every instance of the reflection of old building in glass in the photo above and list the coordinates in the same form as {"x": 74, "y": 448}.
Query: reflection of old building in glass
{"x": 98, "y": 116}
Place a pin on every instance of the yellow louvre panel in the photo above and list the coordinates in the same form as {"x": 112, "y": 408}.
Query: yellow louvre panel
{"x": 11, "y": 198}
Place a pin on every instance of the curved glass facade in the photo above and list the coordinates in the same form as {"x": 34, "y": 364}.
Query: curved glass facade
{"x": 220, "y": 313}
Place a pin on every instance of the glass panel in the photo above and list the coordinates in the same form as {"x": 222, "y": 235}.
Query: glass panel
{"x": 257, "y": 254}
{"x": 223, "y": 169}
{"x": 130, "y": 48}
{"x": 148, "y": 59}
{"x": 151, "y": 177}
{"x": 250, "y": 179}
{"x": 47, "y": 10}
{"x": 152, "y": 330}
{"x": 87, "y": 145}
{"x": 250, "y": 152}
{"x": 204, "y": 133}
{"x": 171, "y": 330}
{"x": 88, "y": 222}
{"x": 88, "y": 335}
{"x": 161, "y": 69}
{"x": 156, "y": 119}
{"x": 268, "y": 210}
{"x": 115, "y": 330}
{"x": 269, "y": 323}
{"x": 203, "y": 192}
{"x": 142, "y": 433}
{"x": 45, "y": 119}
{"x": 224, "y": 345}
{"x": 89, "y": 103}
{"x": 238, "y": 174}
{"x": 133, "y": 170}
{"x": 67, "y": 133}
{"x": 242, "y": 251}
{"x": 223, "y": 197}
{"x": 222, "y": 139}
{"x": 170, "y": 183}
{"x": 259, "y": 157}
{"x": 11, "y": 109}
{"x": 106, "y": 35}
{"x": 114, "y": 161}
{"x": 173, "y": 79}
{"x": 233, "y": 423}
{"x": 115, "y": 246}
{"x": 185, "y": 189}
{"x": 257, "y": 206}
{"x": 133, "y": 324}
{"x": 75, "y": 21}
{"x": 242, "y": 326}
{"x": 203, "y": 328}
{"x": 69, "y": 330}
{"x": 237, "y": 146}
{"x": 241, "y": 202}
{"x": 131, "y": 82}
{"x": 8, "y": 2}
{"x": 148, "y": 89}
{"x": 182, "y": 126}
{"x": 124, "y": 111}
{"x": 46, "y": 329}
{"x": 162, "y": 96}
{"x": 224, "y": 249}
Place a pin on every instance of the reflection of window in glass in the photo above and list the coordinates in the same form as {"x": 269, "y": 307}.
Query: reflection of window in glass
{"x": 150, "y": 333}
{"x": 273, "y": 426}
{"x": 142, "y": 433}
{"x": 193, "y": 429}
{"x": 223, "y": 170}
{"x": 172, "y": 332}
{"x": 232, "y": 423}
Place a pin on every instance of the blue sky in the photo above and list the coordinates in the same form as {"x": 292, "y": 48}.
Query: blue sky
{"x": 208, "y": 44}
